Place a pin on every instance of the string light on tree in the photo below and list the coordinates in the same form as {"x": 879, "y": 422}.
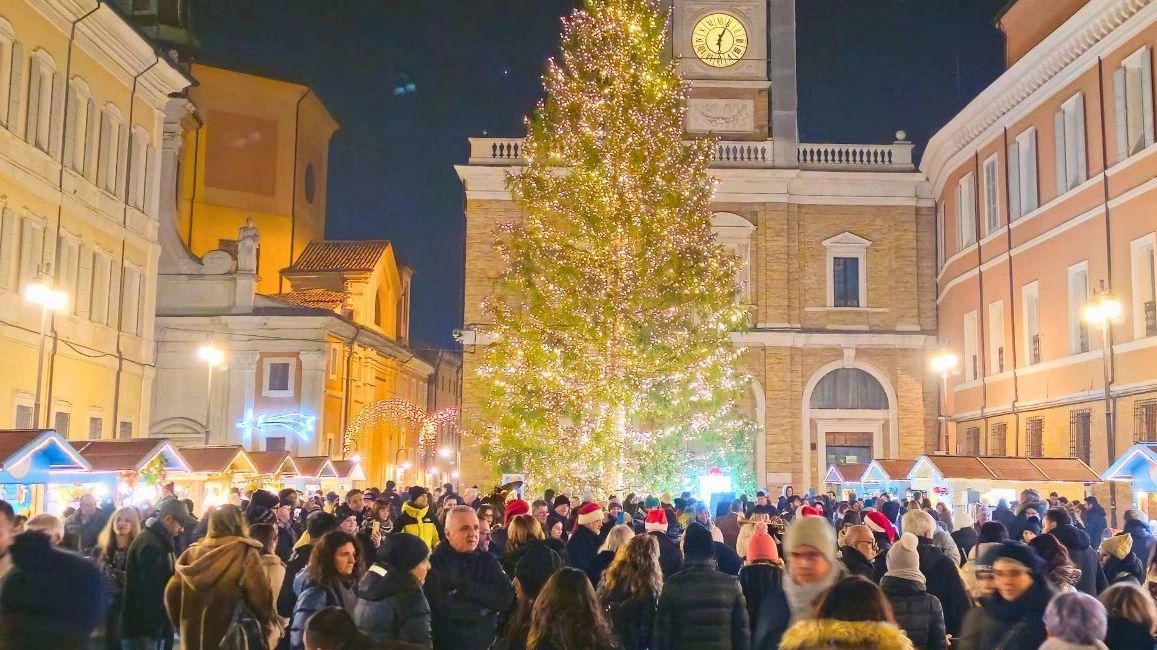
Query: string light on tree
{"x": 611, "y": 364}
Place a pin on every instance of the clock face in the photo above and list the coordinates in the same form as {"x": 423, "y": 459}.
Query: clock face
{"x": 720, "y": 40}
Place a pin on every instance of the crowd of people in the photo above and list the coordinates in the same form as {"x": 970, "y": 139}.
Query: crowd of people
{"x": 398, "y": 569}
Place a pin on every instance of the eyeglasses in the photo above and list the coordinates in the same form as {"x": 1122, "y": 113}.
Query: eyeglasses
{"x": 869, "y": 543}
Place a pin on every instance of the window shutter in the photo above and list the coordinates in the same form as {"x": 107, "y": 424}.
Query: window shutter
{"x": 72, "y": 105}
{"x": 114, "y": 293}
{"x": 1013, "y": 181}
{"x": 15, "y": 84}
{"x": 27, "y": 254}
{"x": 90, "y": 139}
{"x": 1059, "y": 139}
{"x": 84, "y": 282}
{"x": 959, "y": 216}
{"x": 1121, "y": 103}
{"x": 122, "y": 162}
{"x": 1031, "y": 201}
{"x": 1082, "y": 155}
{"x": 7, "y": 246}
{"x": 150, "y": 181}
{"x": 48, "y": 251}
{"x": 102, "y": 169}
{"x": 141, "y": 304}
{"x": 33, "y": 111}
{"x": 1147, "y": 94}
{"x": 57, "y": 114}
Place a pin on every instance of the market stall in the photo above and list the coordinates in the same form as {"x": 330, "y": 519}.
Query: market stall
{"x": 844, "y": 479}
{"x": 887, "y": 476}
{"x": 964, "y": 480}
{"x": 275, "y": 470}
{"x": 28, "y": 460}
{"x": 213, "y": 472}
{"x": 348, "y": 475}
{"x": 312, "y": 470}
{"x": 126, "y": 471}
{"x": 1138, "y": 467}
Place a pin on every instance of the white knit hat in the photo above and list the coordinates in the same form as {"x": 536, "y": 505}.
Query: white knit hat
{"x": 904, "y": 560}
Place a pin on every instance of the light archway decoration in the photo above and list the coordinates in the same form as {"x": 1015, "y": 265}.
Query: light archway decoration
{"x": 428, "y": 435}
{"x": 394, "y": 409}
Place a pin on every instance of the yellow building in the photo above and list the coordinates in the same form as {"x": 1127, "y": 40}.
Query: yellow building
{"x": 83, "y": 152}
{"x": 258, "y": 149}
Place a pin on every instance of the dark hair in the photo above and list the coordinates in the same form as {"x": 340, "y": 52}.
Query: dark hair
{"x": 1058, "y": 516}
{"x": 226, "y": 521}
{"x": 321, "y": 569}
{"x": 331, "y": 627}
{"x": 991, "y": 531}
{"x": 266, "y": 534}
{"x": 567, "y": 615}
{"x": 1051, "y": 551}
{"x": 855, "y": 599}
{"x": 7, "y": 511}
{"x": 352, "y": 493}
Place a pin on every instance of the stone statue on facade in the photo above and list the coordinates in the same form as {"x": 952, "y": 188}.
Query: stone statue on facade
{"x": 247, "y": 242}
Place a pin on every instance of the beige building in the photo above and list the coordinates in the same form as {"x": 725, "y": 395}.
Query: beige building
{"x": 83, "y": 101}
{"x": 1045, "y": 191}
{"x": 838, "y": 245}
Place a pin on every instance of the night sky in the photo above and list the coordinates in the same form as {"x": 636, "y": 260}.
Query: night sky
{"x": 410, "y": 80}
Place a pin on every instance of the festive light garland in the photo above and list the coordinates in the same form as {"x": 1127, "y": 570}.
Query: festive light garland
{"x": 611, "y": 364}
{"x": 403, "y": 412}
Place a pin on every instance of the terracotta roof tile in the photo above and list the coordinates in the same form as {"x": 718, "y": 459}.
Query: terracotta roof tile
{"x": 852, "y": 471}
{"x": 1013, "y": 468}
{"x": 213, "y": 460}
{"x": 322, "y": 256}
{"x": 348, "y": 469}
{"x": 314, "y": 298}
{"x": 961, "y": 467}
{"x": 14, "y": 440}
{"x": 1067, "y": 469}
{"x": 897, "y": 470}
{"x": 311, "y": 466}
{"x": 270, "y": 462}
{"x": 119, "y": 455}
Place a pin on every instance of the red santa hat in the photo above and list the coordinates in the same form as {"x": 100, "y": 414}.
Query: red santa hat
{"x": 878, "y": 522}
{"x": 514, "y": 507}
{"x": 588, "y": 513}
{"x": 656, "y": 521}
{"x": 811, "y": 511}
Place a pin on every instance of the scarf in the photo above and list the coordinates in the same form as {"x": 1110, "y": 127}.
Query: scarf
{"x": 801, "y": 599}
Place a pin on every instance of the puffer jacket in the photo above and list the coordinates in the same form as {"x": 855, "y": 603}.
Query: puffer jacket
{"x": 466, "y": 592}
{"x": 1016, "y": 625}
{"x": 633, "y": 619}
{"x": 917, "y": 612}
{"x": 311, "y": 598}
{"x": 419, "y": 522}
{"x": 392, "y": 607}
{"x": 1085, "y": 556}
{"x": 830, "y": 634}
{"x": 701, "y": 609}
{"x": 1142, "y": 538}
{"x": 211, "y": 577}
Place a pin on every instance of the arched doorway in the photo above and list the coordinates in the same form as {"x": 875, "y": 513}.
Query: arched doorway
{"x": 849, "y": 416}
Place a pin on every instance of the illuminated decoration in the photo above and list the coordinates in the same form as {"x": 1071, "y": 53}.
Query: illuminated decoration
{"x": 300, "y": 424}
{"x": 428, "y": 434}
{"x": 611, "y": 364}
{"x": 394, "y": 409}
{"x": 714, "y": 482}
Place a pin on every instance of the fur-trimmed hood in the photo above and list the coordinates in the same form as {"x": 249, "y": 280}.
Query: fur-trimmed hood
{"x": 829, "y": 634}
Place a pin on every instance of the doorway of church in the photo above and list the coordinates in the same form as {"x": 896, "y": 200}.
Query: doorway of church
{"x": 848, "y": 447}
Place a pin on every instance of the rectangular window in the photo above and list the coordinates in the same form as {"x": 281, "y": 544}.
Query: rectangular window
{"x": 95, "y": 428}
{"x": 966, "y": 212}
{"x": 1069, "y": 133}
{"x": 125, "y": 430}
{"x": 31, "y": 251}
{"x": 1022, "y": 174}
{"x": 1034, "y": 437}
{"x": 278, "y": 378}
{"x": 846, "y": 281}
{"x": 24, "y": 417}
{"x": 1133, "y": 103}
{"x": 970, "y": 446}
{"x": 8, "y": 75}
{"x": 1144, "y": 286}
{"x": 334, "y": 361}
{"x": 971, "y": 355}
{"x": 101, "y": 275}
{"x": 991, "y": 195}
{"x": 1078, "y": 298}
{"x": 61, "y": 421}
{"x": 996, "y": 337}
{"x": 1031, "y": 309}
{"x": 1079, "y": 431}
{"x": 998, "y": 440}
{"x": 1145, "y": 420}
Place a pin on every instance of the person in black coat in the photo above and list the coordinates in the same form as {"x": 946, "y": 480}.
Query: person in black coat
{"x": 1120, "y": 564}
{"x": 670, "y": 556}
{"x": 918, "y": 612}
{"x": 559, "y": 513}
{"x": 391, "y": 605}
{"x": 1095, "y": 520}
{"x": 466, "y": 587}
{"x": 858, "y": 552}
{"x": 1132, "y": 617}
{"x": 151, "y": 559}
{"x": 1138, "y": 529}
{"x": 701, "y": 608}
{"x": 763, "y": 573}
{"x": 584, "y": 542}
{"x": 941, "y": 574}
{"x": 728, "y": 560}
{"x": 1059, "y": 524}
{"x": 1028, "y": 515}
{"x": 1010, "y": 618}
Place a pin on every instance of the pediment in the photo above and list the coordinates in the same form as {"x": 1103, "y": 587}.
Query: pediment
{"x": 847, "y": 239}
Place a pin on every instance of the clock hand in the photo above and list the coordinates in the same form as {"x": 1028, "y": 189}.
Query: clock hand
{"x": 719, "y": 41}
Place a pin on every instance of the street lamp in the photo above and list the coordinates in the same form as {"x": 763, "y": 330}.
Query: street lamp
{"x": 50, "y": 301}
{"x": 943, "y": 363}
{"x": 213, "y": 357}
{"x": 1102, "y": 313}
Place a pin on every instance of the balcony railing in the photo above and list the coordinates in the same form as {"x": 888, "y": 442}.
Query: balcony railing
{"x": 895, "y": 157}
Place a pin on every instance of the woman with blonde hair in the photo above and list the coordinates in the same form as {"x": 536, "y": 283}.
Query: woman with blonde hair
{"x": 523, "y": 532}
{"x": 629, "y": 591}
{"x": 1132, "y": 617}
{"x": 619, "y": 536}
{"x": 112, "y": 555}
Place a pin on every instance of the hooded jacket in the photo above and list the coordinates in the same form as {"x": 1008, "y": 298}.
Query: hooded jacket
{"x": 392, "y": 607}
{"x": 1000, "y": 624}
{"x": 917, "y": 612}
{"x": 830, "y": 634}
{"x": 419, "y": 522}
{"x": 1087, "y": 559}
{"x": 149, "y": 567}
{"x": 1142, "y": 538}
{"x": 701, "y": 608}
{"x": 210, "y": 578}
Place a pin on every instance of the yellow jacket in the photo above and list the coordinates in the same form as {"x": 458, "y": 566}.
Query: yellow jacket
{"x": 418, "y": 521}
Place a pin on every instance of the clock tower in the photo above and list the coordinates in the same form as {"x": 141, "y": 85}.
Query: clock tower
{"x": 739, "y": 56}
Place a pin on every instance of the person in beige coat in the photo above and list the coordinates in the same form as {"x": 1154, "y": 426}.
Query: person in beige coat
{"x": 274, "y": 568}
{"x": 212, "y": 576}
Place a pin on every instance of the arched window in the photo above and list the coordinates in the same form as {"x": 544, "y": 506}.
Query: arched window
{"x": 378, "y": 308}
{"x": 849, "y": 388}
{"x": 734, "y": 232}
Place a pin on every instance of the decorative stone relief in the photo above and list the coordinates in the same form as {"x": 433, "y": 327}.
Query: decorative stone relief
{"x": 720, "y": 115}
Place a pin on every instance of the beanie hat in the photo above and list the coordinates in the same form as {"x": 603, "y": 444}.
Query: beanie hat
{"x": 1018, "y": 552}
{"x": 761, "y": 545}
{"x": 588, "y": 513}
{"x": 1118, "y": 546}
{"x": 814, "y": 532}
{"x": 263, "y": 499}
{"x": 656, "y": 521}
{"x": 697, "y": 542}
{"x": 651, "y": 502}
{"x": 904, "y": 560}
{"x": 560, "y": 500}
{"x": 416, "y": 491}
{"x": 535, "y": 567}
{"x": 878, "y": 523}
{"x": 811, "y": 511}
{"x": 514, "y": 508}
{"x": 403, "y": 552}
{"x": 319, "y": 523}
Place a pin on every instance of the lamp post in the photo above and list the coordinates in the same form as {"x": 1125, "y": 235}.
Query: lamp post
{"x": 1102, "y": 313}
{"x": 943, "y": 363}
{"x": 213, "y": 357}
{"x": 50, "y": 301}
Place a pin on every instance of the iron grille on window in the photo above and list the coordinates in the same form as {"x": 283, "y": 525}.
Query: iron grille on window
{"x": 1083, "y": 342}
{"x": 1034, "y": 353}
{"x": 1151, "y": 318}
{"x": 1000, "y": 359}
{"x": 971, "y": 446}
{"x": 1145, "y": 421}
{"x": 1079, "y": 443}
{"x": 998, "y": 440}
{"x": 1034, "y": 437}
{"x": 23, "y": 416}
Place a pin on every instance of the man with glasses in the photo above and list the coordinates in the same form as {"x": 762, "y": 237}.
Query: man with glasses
{"x": 812, "y": 568}
{"x": 859, "y": 551}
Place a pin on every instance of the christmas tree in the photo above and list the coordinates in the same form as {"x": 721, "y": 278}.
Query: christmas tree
{"x": 610, "y": 363}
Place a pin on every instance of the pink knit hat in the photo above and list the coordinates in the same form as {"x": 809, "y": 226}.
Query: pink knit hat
{"x": 762, "y": 546}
